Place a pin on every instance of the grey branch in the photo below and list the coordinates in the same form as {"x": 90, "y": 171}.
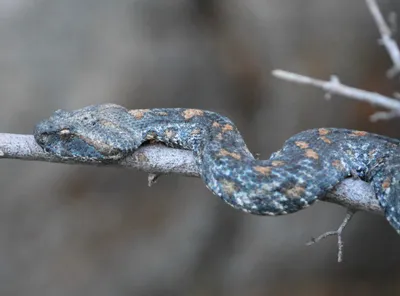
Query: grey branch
{"x": 153, "y": 159}
{"x": 156, "y": 160}
{"x": 334, "y": 86}
{"x": 386, "y": 38}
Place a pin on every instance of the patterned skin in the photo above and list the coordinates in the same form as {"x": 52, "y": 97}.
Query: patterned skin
{"x": 308, "y": 165}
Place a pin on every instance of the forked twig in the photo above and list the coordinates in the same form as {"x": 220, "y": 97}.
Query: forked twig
{"x": 337, "y": 233}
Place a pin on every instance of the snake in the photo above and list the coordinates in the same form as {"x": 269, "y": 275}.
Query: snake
{"x": 308, "y": 165}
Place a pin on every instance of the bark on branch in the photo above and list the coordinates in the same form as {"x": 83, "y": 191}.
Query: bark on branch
{"x": 157, "y": 159}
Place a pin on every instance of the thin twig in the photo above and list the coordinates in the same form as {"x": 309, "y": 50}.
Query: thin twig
{"x": 337, "y": 233}
{"x": 386, "y": 38}
{"x": 384, "y": 115}
{"x": 158, "y": 160}
{"x": 334, "y": 86}
{"x": 152, "y": 179}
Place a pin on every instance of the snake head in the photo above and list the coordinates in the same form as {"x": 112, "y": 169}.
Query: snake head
{"x": 90, "y": 134}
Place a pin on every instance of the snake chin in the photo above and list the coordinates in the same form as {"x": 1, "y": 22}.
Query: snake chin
{"x": 73, "y": 148}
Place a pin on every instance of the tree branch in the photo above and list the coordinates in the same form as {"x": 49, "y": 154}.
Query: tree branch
{"x": 334, "y": 86}
{"x": 157, "y": 159}
{"x": 386, "y": 38}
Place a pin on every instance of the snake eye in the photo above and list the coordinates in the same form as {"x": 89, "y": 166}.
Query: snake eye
{"x": 64, "y": 133}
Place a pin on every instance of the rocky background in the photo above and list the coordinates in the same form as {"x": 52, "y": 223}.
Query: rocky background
{"x": 69, "y": 230}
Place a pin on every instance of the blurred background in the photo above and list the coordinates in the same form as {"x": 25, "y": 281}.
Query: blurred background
{"x": 70, "y": 230}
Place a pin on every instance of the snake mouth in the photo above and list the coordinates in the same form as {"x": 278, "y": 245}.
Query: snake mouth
{"x": 76, "y": 147}
{"x": 105, "y": 150}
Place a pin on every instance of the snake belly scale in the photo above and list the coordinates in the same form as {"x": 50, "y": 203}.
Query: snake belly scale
{"x": 307, "y": 166}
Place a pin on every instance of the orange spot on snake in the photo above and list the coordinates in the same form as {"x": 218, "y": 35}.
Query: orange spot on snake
{"x": 311, "y": 154}
{"x": 386, "y": 184}
{"x": 224, "y": 152}
{"x": 263, "y": 170}
{"x": 138, "y": 113}
{"x": 227, "y": 127}
{"x": 189, "y": 113}
{"x": 215, "y": 124}
{"x": 323, "y": 131}
{"x": 301, "y": 144}
{"x": 359, "y": 133}
{"x": 326, "y": 140}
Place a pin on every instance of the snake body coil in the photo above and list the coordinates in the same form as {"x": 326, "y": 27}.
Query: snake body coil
{"x": 308, "y": 165}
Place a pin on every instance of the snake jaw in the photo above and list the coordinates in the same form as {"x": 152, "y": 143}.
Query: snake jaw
{"x": 65, "y": 143}
{"x": 75, "y": 148}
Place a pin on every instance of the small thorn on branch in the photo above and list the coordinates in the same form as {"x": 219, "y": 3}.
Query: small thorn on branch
{"x": 337, "y": 233}
{"x": 152, "y": 179}
{"x": 384, "y": 116}
{"x": 335, "y": 80}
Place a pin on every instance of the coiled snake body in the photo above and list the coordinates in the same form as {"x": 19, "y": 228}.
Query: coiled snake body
{"x": 308, "y": 165}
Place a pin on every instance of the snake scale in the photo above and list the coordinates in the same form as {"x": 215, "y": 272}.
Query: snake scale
{"x": 307, "y": 166}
